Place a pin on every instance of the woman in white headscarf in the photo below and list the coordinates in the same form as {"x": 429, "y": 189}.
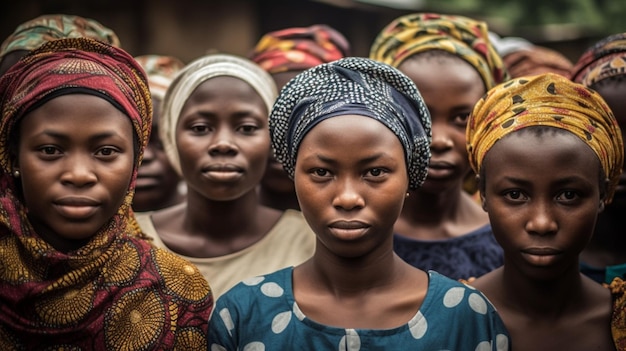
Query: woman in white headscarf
{"x": 216, "y": 135}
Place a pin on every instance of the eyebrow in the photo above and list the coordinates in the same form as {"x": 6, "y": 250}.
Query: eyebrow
{"x": 65, "y": 137}
{"x": 559, "y": 182}
{"x": 360, "y": 162}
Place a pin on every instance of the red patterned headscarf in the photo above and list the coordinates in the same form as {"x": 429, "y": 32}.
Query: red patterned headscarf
{"x": 605, "y": 59}
{"x": 461, "y": 36}
{"x": 299, "y": 48}
{"x": 117, "y": 291}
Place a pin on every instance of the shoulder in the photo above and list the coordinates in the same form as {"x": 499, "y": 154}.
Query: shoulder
{"x": 454, "y": 293}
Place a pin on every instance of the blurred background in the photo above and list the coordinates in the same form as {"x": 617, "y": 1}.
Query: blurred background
{"x": 190, "y": 28}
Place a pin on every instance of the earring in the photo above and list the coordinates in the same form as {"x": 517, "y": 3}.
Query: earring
{"x": 16, "y": 173}
{"x": 407, "y": 194}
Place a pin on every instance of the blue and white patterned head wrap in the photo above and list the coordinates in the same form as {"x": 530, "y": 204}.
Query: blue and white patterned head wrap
{"x": 353, "y": 86}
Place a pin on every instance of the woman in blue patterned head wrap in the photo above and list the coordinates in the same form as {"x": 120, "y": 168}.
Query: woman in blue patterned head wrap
{"x": 354, "y": 136}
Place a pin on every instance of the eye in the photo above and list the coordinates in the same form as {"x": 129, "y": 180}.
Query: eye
{"x": 376, "y": 172}
{"x": 567, "y": 195}
{"x": 107, "y": 151}
{"x": 248, "y": 129}
{"x": 199, "y": 128}
{"x": 49, "y": 150}
{"x": 515, "y": 195}
{"x": 320, "y": 172}
{"x": 461, "y": 119}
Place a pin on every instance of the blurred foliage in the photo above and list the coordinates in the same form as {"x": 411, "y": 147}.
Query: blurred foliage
{"x": 592, "y": 17}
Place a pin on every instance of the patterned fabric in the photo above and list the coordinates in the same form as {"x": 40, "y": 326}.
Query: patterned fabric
{"x": 466, "y": 256}
{"x": 523, "y": 58}
{"x": 605, "y": 59}
{"x": 196, "y": 73}
{"x": 618, "y": 322}
{"x": 116, "y": 292}
{"x": 262, "y": 314}
{"x": 352, "y": 85}
{"x": 160, "y": 71}
{"x": 32, "y": 34}
{"x": 548, "y": 100}
{"x": 299, "y": 48}
{"x": 415, "y": 33}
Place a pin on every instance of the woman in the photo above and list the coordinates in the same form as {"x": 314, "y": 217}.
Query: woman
{"x": 76, "y": 273}
{"x": 354, "y": 136}
{"x": 215, "y": 133}
{"x": 549, "y": 154}
{"x": 453, "y": 64}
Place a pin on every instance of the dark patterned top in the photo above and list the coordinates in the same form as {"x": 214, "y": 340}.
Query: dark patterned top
{"x": 463, "y": 257}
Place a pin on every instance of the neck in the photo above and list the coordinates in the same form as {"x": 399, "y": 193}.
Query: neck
{"x": 355, "y": 276}
{"x": 222, "y": 218}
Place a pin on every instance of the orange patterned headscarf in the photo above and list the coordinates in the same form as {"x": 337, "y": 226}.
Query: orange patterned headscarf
{"x": 550, "y": 100}
{"x": 464, "y": 37}
{"x": 116, "y": 292}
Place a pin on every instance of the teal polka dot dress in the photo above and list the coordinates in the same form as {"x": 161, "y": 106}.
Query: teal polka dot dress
{"x": 261, "y": 314}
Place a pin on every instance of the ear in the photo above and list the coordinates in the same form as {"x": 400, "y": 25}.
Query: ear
{"x": 603, "y": 195}
{"x": 481, "y": 189}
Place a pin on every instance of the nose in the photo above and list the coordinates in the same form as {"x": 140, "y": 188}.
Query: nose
{"x": 149, "y": 153}
{"x": 79, "y": 172}
{"x": 441, "y": 140}
{"x": 348, "y": 197}
{"x": 541, "y": 221}
{"x": 223, "y": 143}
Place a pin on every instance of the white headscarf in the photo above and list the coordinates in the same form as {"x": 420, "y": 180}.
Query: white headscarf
{"x": 196, "y": 73}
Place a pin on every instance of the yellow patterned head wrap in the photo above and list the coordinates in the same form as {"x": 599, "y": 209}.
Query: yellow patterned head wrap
{"x": 464, "y": 37}
{"x": 547, "y": 100}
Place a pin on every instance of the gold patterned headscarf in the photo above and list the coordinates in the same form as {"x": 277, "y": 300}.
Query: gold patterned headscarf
{"x": 546, "y": 100}
{"x": 464, "y": 37}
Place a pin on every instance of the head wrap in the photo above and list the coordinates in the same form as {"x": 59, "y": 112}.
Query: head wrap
{"x": 31, "y": 34}
{"x": 299, "y": 48}
{"x": 349, "y": 86}
{"x": 546, "y": 100}
{"x": 161, "y": 71}
{"x": 605, "y": 59}
{"x": 196, "y": 73}
{"x": 523, "y": 58}
{"x": 464, "y": 37}
{"x": 87, "y": 298}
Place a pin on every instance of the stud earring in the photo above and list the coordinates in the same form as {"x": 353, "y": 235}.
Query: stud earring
{"x": 16, "y": 173}
{"x": 407, "y": 194}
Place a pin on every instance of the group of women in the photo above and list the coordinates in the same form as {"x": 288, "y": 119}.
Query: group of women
{"x": 424, "y": 197}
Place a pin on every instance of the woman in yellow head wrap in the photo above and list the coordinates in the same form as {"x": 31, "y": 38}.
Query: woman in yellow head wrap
{"x": 549, "y": 154}
{"x": 453, "y": 64}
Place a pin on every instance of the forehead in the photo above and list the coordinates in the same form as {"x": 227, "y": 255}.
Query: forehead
{"x": 350, "y": 135}
{"x": 546, "y": 155}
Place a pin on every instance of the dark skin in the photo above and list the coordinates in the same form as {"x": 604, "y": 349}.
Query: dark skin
{"x": 606, "y": 245}
{"x": 543, "y": 220}
{"x": 276, "y": 189}
{"x": 223, "y": 139}
{"x": 441, "y": 209}
{"x": 351, "y": 189}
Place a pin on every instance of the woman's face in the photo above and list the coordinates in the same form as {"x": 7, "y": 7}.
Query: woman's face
{"x": 76, "y": 160}
{"x": 351, "y": 185}
{"x": 450, "y": 87}
{"x": 223, "y": 139}
{"x": 542, "y": 194}
{"x": 157, "y": 182}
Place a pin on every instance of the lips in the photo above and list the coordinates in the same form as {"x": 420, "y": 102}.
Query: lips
{"x": 76, "y": 207}
{"x": 223, "y": 172}
{"x": 348, "y": 229}
{"x": 541, "y": 256}
{"x": 440, "y": 169}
